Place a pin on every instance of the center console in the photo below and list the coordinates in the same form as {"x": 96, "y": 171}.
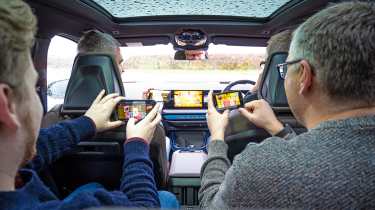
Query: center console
{"x": 189, "y": 134}
{"x": 184, "y": 175}
{"x": 184, "y": 120}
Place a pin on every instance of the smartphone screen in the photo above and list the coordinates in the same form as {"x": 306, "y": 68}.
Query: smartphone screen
{"x": 134, "y": 109}
{"x": 188, "y": 98}
{"x": 228, "y": 100}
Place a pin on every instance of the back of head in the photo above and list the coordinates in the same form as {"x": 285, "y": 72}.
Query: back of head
{"x": 17, "y": 29}
{"x": 339, "y": 43}
{"x": 94, "y": 41}
{"x": 279, "y": 42}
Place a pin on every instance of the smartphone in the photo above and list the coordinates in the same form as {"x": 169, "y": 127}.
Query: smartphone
{"x": 137, "y": 109}
{"x": 228, "y": 100}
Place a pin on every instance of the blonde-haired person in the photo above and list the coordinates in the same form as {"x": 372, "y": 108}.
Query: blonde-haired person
{"x": 20, "y": 119}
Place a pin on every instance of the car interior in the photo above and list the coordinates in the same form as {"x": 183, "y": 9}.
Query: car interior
{"x": 176, "y": 169}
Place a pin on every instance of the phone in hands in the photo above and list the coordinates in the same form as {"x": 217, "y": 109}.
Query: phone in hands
{"x": 137, "y": 109}
{"x": 227, "y": 100}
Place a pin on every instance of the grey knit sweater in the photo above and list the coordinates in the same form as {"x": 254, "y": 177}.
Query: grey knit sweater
{"x": 330, "y": 167}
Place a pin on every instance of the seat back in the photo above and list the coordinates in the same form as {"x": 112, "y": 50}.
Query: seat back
{"x": 90, "y": 74}
{"x": 272, "y": 85}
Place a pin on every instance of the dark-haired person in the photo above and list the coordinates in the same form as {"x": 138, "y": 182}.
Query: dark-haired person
{"x": 20, "y": 117}
{"x": 94, "y": 41}
{"x": 330, "y": 86}
{"x": 279, "y": 42}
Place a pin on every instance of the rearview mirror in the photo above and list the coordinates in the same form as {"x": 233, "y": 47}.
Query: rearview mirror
{"x": 191, "y": 55}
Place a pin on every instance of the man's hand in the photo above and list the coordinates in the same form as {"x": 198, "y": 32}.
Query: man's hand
{"x": 101, "y": 109}
{"x": 216, "y": 122}
{"x": 145, "y": 128}
{"x": 261, "y": 114}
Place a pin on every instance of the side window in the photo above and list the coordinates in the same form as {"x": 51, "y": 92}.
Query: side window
{"x": 61, "y": 54}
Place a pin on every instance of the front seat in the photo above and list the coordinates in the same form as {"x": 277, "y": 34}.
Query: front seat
{"x": 240, "y": 131}
{"x": 98, "y": 159}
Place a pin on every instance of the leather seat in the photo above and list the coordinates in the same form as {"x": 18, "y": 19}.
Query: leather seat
{"x": 98, "y": 159}
{"x": 240, "y": 131}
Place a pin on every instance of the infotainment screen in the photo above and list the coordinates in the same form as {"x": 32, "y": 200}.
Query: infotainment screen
{"x": 137, "y": 109}
{"x": 188, "y": 98}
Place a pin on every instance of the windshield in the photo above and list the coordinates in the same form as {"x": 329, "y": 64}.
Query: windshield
{"x": 154, "y": 67}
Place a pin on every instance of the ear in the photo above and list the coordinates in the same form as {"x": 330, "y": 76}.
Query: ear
{"x": 305, "y": 78}
{"x": 8, "y": 115}
{"x": 118, "y": 55}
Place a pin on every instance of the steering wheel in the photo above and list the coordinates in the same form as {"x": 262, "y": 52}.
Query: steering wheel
{"x": 238, "y": 82}
{"x": 240, "y": 131}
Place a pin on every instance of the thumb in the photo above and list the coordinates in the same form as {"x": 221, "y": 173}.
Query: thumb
{"x": 226, "y": 113}
{"x": 115, "y": 124}
{"x": 131, "y": 123}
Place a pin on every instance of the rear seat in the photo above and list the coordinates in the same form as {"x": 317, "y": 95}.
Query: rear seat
{"x": 100, "y": 158}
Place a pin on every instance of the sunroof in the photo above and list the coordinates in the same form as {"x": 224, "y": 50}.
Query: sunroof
{"x": 237, "y": 8}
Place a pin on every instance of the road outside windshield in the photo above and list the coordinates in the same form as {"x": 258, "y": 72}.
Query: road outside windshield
{"x": 154, "y": 67}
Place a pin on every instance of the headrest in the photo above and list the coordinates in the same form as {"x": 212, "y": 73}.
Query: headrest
{"x": 272, "y": 85}
{"x": 90, "y": 74}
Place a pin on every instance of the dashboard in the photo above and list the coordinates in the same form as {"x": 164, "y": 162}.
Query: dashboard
{"x": 184, "y": 117}
{"x": 185, "y": 108}
{"x": 183, "y": 105}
